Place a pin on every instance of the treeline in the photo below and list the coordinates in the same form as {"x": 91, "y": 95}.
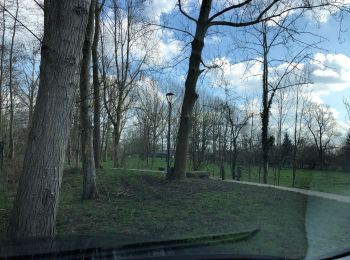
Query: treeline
{"x": 228, "y": 131}
{"x": 96, "y": 95}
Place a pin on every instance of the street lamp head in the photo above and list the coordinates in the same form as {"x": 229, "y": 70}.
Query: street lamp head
{"x": 169, "y": 97}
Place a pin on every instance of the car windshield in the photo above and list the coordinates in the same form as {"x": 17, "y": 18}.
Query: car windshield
{"x": 178, "y": 127}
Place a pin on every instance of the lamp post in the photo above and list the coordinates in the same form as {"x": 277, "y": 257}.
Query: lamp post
{"x": 169, "y": 97}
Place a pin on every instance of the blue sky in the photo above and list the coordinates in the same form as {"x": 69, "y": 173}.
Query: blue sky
{"x": 331, "y": 78}
{"x": 330, "y": 75}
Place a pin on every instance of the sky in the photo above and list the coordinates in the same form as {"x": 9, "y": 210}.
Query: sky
{"x": 330, "y": 62}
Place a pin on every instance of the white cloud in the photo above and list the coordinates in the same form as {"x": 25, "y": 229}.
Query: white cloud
{"x": 237, "y": 76}
{"x": 158, "y": 7}
{"x": 32, "y": 16}
{"x": 335, "y": 112}
{"x": 330, "y": 73}
{"x": 167, "y": 49}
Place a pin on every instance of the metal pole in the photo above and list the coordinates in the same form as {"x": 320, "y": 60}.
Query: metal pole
{"x": 168, "y": 145}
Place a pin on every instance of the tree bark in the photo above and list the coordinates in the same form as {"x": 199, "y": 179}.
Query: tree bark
{"x": 35, "y": 207}
{"x": 97, "y": 102}
{"x": 1, "y": 79}
{"x": 190, "y": 92}
{"x": 87, "y": 149}
{"x": 116, "y": 135}
{"x": 234, "y": 159}
{"x": 265, "y": 112}
{"x": 295, "y": 150}
{"x": 11, "y": 153}
{"x": 106, "y": 142}
{"x": 32, "y": 88}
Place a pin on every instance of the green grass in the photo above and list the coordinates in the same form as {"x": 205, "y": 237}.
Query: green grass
{"x": 145, "y": 204}
{"x": 326, "y": 181}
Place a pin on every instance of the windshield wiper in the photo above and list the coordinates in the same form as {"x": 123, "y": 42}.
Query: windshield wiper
{"x": 191, "y": 242}
{"x": 98, "y": 247}
{"x": 177, "y": 247}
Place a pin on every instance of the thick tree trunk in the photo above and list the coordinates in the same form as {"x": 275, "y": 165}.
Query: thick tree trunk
{"x": 11, "y": 153}
{"x": 190, "y": 92}
{"x": 97, "y": 102}
{"x": 35, "y": 207}
{"x": 87, "y": 149}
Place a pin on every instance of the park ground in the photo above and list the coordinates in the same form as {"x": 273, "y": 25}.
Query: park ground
{"x": 146, "y": 204}
{"x": 337, "y": 182}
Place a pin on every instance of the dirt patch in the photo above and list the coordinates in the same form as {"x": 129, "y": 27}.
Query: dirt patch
{"x": 158, "y": 188}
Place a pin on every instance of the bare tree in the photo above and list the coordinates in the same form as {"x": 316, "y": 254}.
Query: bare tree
{"x": 11, "y": 154}
{"x": 237, "y": 119}
{"x": 96, "y": 83}
{"x": 299, "y": 114}
{"x": 201, "y": 127}
{"x": 87, "y": 151}
{"x": 283, "y": 104}
{"x": 151, "y": 116}
{"x": 1, "y": 83}
{"x": 228, "y": 16}
{"x": 127, "y": 31}
{"x": 35, "y": 207}
{"x": 322, "y": 126}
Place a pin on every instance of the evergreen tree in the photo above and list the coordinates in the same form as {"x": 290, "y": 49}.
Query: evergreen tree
{"x": 287, "y": 149}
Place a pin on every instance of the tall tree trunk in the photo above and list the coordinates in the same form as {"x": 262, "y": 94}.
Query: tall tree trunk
{"x": 1, "y": 79}
{"x": 32, "y": 94}
{"x": 87, "y": 149}
{"x": 105, "y": 149}
{"x": 35, "y": 207}
{"x": 251, "y": 148}
{"x": 11, "y": 153}
{"x": 234, "y": 159}
{"x": 190, "y": 92}
{"x": 117, "y": 129}
{"x": 97, "y": 99}
{"x": 75, "y": 135}
{"x": 279, "y": 140}
{"x": 265, "y": 113}
{"x": 320, "y": 156}
{"x": 116, "y": 135}
{"x": 102, "y": 140}
{"x": 69, "y": 152}
{"x": 295, "y": 139}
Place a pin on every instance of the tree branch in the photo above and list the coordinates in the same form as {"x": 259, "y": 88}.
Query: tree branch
{"x": 185, "y": 14}
{"x": 31, "y": 32}
{"x": 229, "y": 9}
{"x": 242, "y": 24}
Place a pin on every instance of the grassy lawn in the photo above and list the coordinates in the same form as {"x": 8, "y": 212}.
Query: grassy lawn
{"x": 326, "y": 181}
{"x": 146, "y": 204}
